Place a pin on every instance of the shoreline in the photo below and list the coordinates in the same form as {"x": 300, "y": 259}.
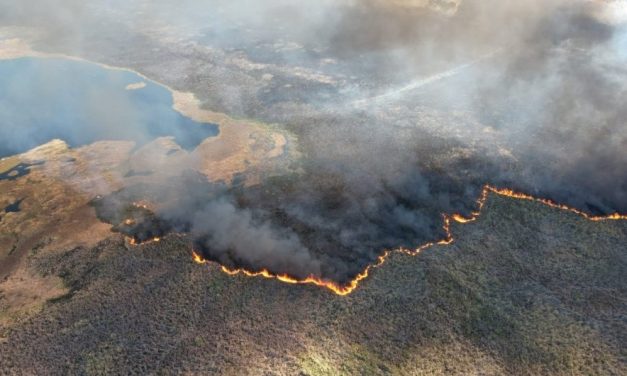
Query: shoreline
{"x": 226, "y": 154}
{"x": 18, "y": 48}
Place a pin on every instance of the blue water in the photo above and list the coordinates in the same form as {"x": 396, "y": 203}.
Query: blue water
{"x": 80, "y": 102}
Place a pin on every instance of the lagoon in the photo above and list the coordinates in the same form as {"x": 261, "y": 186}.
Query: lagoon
{"x": 80, "y": 102}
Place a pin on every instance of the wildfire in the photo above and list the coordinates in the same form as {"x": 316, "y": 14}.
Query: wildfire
{"x": 521, "y": 196}
{"x": 448, "y": 239}
{"x": 140, "y": 205}
{"x": 132, "y": 240}
{"x": 264, "y": 273}
{"x": 198, "y": 258}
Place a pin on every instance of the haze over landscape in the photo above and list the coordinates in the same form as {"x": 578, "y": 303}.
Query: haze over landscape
{"x": 332, "y": 147}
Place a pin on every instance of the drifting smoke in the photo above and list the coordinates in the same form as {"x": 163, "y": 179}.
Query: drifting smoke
{"x": 218, "y": 227}
{"x": 83, "y": 103}
{"x": 451, "y": 95}
{"x": 235, "y": 238}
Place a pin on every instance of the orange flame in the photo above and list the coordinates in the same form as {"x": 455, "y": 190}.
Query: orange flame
{"x": 264, "y": 273}
{"x": 197, "y": 258}
{"x": 140, "y": 205}
{"x": 132, "y": 240}
{"x": 448, "y": 239}
{"x": 521, "y": 196}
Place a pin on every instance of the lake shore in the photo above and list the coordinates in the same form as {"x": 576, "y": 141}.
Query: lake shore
{"x": 229, "y": 153}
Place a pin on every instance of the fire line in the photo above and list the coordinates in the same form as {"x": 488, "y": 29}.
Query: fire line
{"x": 344, "y": 290}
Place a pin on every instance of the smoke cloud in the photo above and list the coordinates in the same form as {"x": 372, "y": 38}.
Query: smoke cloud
{"x": 402, "y": 110}
{"x": 235, "y": 238}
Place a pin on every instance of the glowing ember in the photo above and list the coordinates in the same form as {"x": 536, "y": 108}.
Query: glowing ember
{"x": 132, "y": 241}
{"x": 140, "y": 205}
{"x": 352, "y": 285}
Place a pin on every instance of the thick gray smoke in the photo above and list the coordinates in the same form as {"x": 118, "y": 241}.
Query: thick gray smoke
{"x": 402, "y": 109}
{"x": 234, "y": 237}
